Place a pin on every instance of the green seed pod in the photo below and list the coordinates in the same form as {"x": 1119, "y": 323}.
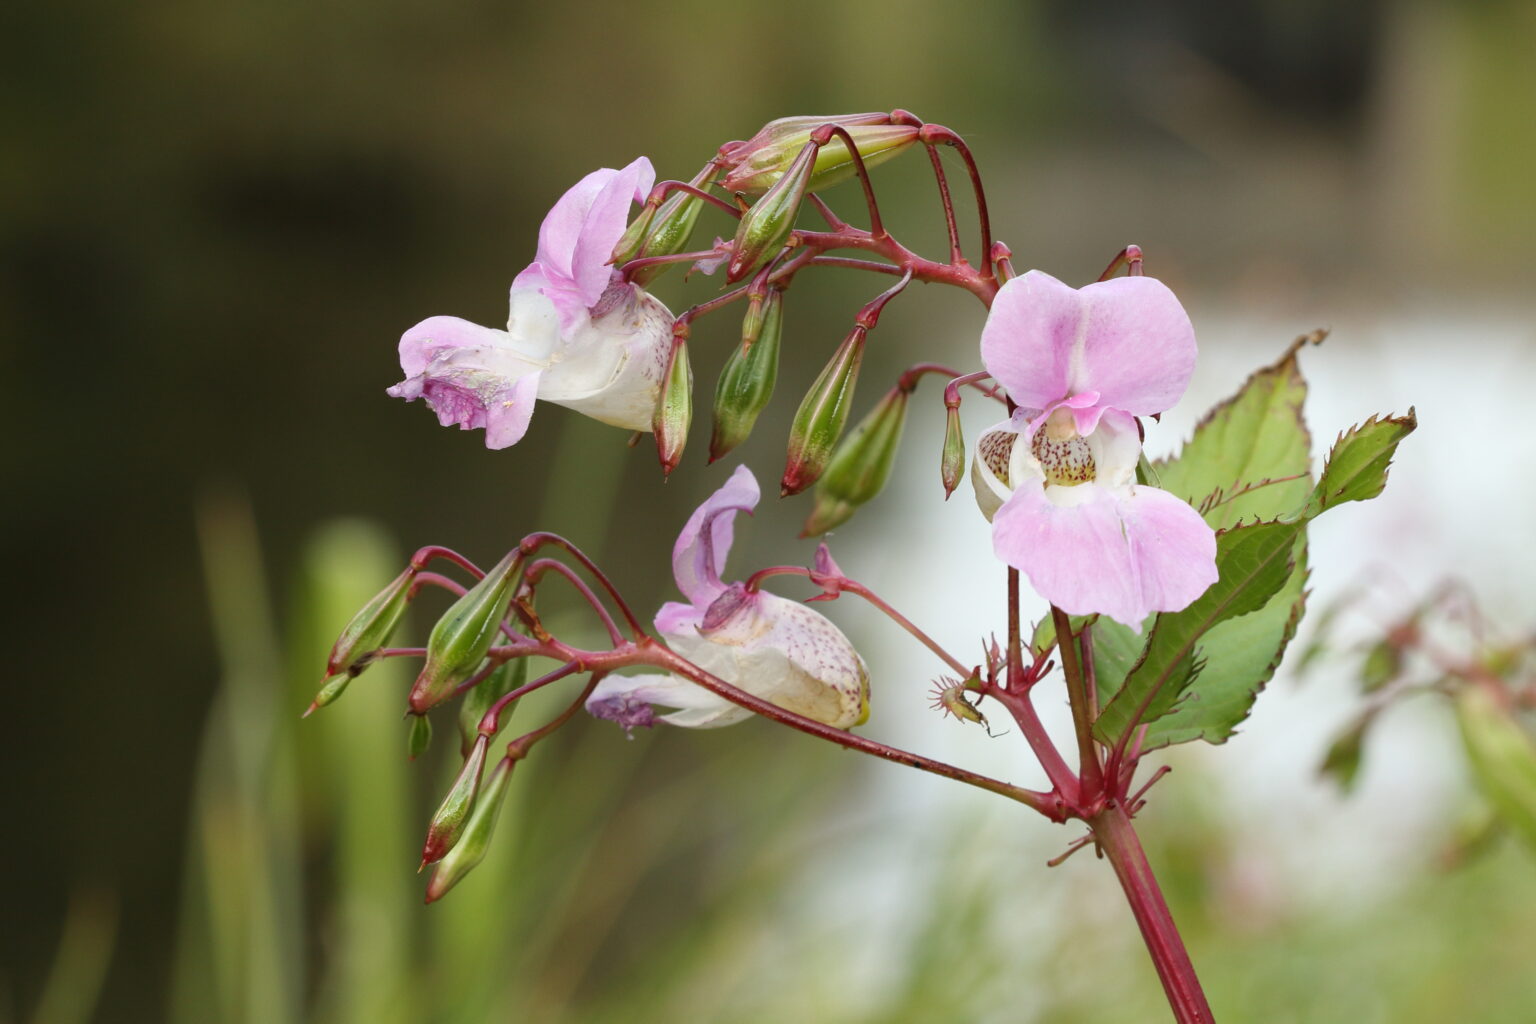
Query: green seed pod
{"x": 759, "y": 163}
{"x": 508, "y": 676}
{"x": 456, "y": 649}
{"x": 475, "y": 840}
{"x": 369, "y": 630}
{"x": 674, "y": 411}
{"x": 952, "y": 462}
{"x": 861, "y": 465}
{"x": 767, "y": 225}
{"x": 822, "y": 415}
{"x": 750, "y": 372}
{"x": 453, "y": 813}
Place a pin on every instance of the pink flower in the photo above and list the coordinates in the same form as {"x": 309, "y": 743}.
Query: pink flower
{"x": 769, "y": 646}
{"x": 576, "y": 335}
{"x": 1058, "y": 480}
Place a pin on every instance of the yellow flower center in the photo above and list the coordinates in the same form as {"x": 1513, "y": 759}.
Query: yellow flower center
{"x": 1063, "y": 454}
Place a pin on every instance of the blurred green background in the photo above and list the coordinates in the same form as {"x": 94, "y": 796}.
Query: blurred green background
{"x": 217, "y": 218}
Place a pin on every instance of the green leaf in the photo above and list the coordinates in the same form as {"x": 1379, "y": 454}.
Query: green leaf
{"x": 1357, "y": 465}
{"x": 1241, "y": 656}
{"x": 1248, "y": 460}
{"x": 1256, "y": 435}
{"x": 1253, "y": 561}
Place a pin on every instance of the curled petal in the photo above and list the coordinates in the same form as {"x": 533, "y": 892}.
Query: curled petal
{"x": 1128, "y": 339}
{"x": 701, "y": 548}
{"x": 581, "y": 229}
{"x": 471, "y": 376}
{"x": 1124, "y": 552}
{"x": 627, "y": 700}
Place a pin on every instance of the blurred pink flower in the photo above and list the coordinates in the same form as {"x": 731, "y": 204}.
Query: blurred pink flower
{"x": 1058, "y": 480}
{"x": 772, "y": 647}
{"x": 576, "y": 335}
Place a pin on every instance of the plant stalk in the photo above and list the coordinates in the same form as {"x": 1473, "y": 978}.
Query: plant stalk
{"x": 1116, "y": 836}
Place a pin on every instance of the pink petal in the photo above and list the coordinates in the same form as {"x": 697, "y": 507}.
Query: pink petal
{"x": 706, "y": 538}
{"x": 1124, "y": 555}
{"x": 597, "y": 205}
{"x": 469, "y": 377}
{"x": 604, "y": 225}
{"x": 1128, "y": 339}
{"x": 1139, "y": 346}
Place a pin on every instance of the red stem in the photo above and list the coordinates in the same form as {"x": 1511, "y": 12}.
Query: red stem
{"x": 1117, "y": 838}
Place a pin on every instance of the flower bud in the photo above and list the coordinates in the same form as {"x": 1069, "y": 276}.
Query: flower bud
{"x": 760, "y": 162}
{"x": 453, "y": 813}
{"x": 674, "y": 228}
{"x": 861, "y": 465}
{"x": 822, "y": 415}
{"x": 476, "y": 837}
{"x": 508, "y": 676}
{"x": 330, "y": 691}
{"x": 767, "y": 225}
{"x": 750, "y": 372}
{"x": 461, "y": 637}
{"x": 952, "y": 462}
{"x": 421, "y": 736}
{"x": 674, "y": 412}
{"x": 369, "y": 630}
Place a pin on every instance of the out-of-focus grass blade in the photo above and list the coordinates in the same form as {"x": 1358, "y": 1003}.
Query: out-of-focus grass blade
{"x": 80, "y": 966}
{"x": 361, "y": 789}
{"x": 242, "y": 906}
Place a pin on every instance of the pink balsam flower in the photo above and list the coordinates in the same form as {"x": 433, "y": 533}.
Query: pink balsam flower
{"x": 771, "y": 647}
{"x": 1058, "y": 480}
{"x": 576, "y": 335}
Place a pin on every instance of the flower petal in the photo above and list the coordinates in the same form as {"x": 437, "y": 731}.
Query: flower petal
{"x": 1128, "y": 339}
{"x": 605, "y": 223}
{"x": 1123, "y": 553}
{"x": 620, "y": 698}
{"x": 594, "y": 208}
{"x": 706, "y": 538}
{"x": 471, "y": 376}
{"x": 612, "y": 368}
{"x": 1138, "y": 346}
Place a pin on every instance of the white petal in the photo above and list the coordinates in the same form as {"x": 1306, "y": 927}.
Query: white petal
{"x": 613, "y": 367}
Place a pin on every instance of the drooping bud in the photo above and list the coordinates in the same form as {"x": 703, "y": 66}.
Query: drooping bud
{"x": 767, "y": 225}
{"x": 822, "y": 415}
{"x": 674, "y": 410}
{"x": 369, "y": 630}
{"x": 453, "y": 813}
{"x": 458, "y": 643}
{"x": 633, "y": 240}
{"x": 952, "y": 462}
{"x": 750, "y": 372}
{"x": 860, "y": 466}
{"x": 674, "y": 227}
{"x": 475, "y": 838}
{"x": 421, "y": 736}
{"x": 508, "y": 676}
{"x": 758, "y": 163}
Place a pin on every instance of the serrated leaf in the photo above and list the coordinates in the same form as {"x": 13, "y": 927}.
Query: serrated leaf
{"x": 1357, "y": 466}
{"x": 1241, "y": 656}
{"x": 1258, "y": 434}
{"x": 1253, "y": 562}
